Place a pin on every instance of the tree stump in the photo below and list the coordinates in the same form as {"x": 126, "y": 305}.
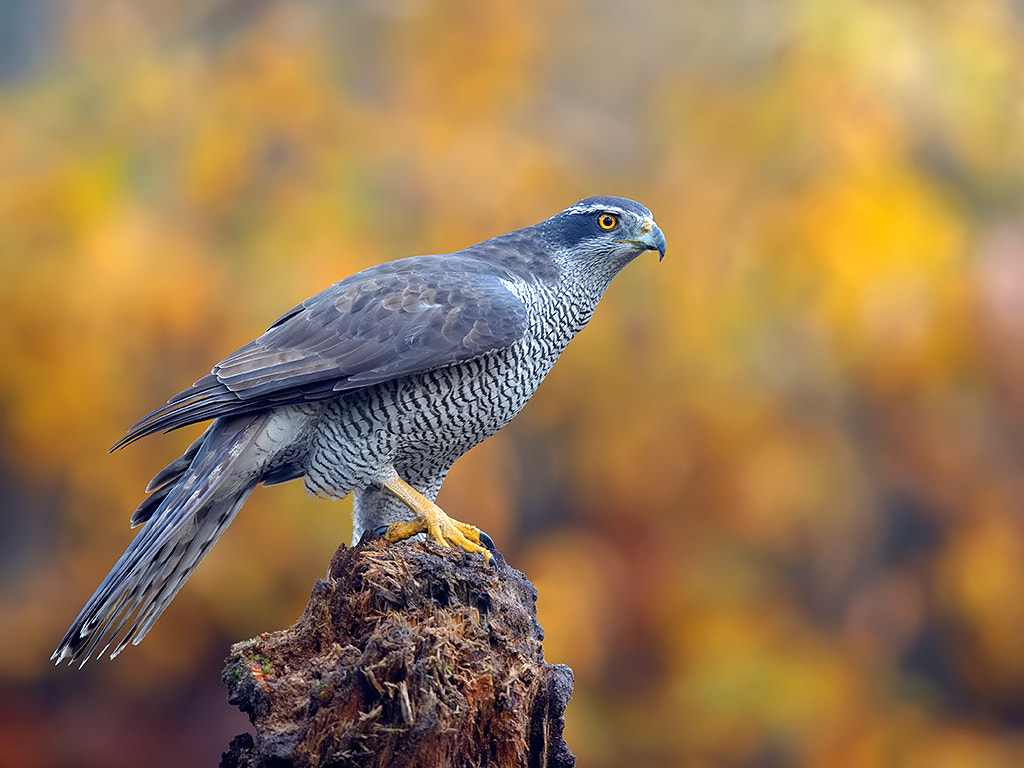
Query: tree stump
{"x": 407, "y": 655}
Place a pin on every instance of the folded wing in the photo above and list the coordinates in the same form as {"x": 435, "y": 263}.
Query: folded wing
{"x": 390, "y": 321}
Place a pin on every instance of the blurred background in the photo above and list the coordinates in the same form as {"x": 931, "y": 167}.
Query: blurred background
{"x": 772, "y": 498}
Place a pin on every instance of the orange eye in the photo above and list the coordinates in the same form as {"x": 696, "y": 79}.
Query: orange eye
{"x": 606, "y": 221}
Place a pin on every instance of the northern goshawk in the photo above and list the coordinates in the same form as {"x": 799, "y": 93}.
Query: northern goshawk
{"x": 373, "y": 387}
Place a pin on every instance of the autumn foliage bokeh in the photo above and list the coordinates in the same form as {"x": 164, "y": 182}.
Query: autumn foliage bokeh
{"x": 772, "y": 498}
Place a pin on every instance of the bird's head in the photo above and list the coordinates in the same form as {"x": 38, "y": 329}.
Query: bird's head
{"x": 604, "y": 233}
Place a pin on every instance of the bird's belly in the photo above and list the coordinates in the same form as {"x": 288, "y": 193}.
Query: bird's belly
{"x": 420, "y": 424}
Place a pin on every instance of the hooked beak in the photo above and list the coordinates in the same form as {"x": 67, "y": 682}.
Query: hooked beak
{"x": 651, "y": 238}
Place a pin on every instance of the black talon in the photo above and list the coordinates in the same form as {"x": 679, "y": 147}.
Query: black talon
{"x": 487, "y": 541}
{"x": 380, "y": 532}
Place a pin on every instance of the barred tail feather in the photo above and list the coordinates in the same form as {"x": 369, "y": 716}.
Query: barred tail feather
{"x": 197, "y": 502}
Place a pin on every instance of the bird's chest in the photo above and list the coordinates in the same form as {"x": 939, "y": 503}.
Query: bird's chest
{"x": 434, "y": 417}
{"x": 467, "y": 402}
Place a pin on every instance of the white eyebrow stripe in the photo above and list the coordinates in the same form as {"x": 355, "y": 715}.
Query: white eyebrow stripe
{"x": 592, "y": 208}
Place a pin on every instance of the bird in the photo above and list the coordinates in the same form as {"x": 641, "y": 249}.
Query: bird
{"x": 373, "y": 387}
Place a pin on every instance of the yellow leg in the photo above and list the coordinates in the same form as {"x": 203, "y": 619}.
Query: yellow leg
{"x": 431, "y": 520}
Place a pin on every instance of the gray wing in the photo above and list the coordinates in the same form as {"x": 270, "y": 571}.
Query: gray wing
{"x": 389, "y": 321}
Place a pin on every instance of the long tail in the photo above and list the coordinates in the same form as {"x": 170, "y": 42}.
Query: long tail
{"x": 193, "y": 501}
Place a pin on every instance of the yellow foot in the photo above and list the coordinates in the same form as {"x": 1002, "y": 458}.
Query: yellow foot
{"x": 433, "y": 521}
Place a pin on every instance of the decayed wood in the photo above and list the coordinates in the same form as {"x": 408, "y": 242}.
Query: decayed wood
{"x": 407, "y": 655}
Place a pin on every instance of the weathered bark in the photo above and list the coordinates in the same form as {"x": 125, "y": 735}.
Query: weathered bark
{"x": 407, "y": 655}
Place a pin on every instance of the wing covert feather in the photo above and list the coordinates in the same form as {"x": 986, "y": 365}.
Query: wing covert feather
{"x": 393, "y": 320}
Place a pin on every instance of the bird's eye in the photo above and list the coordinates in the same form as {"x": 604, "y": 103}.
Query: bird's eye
{"x": 607, "y": 221}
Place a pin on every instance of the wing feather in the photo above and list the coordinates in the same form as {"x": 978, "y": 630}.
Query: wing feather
{"x": 390, "y": 321}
